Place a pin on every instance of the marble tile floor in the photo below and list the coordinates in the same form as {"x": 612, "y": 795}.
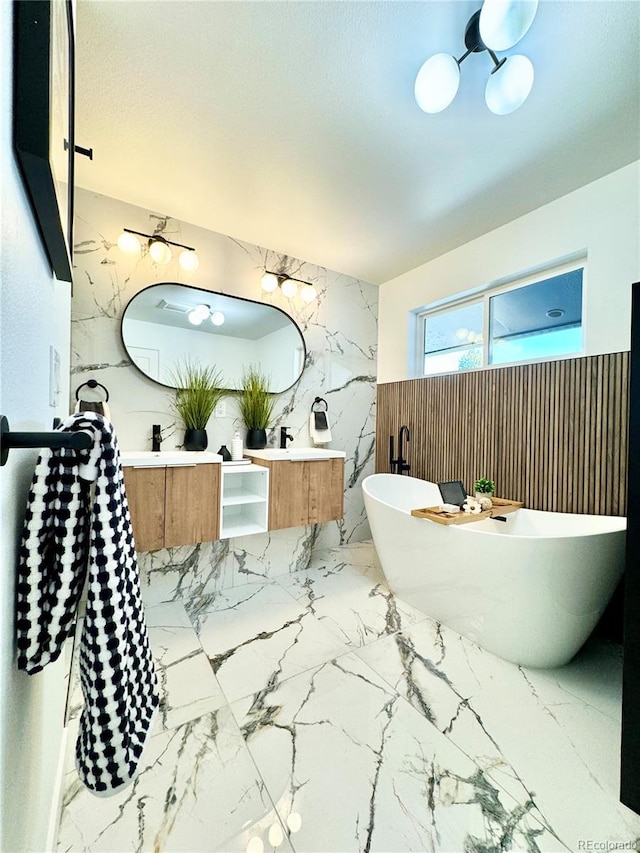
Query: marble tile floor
{"x": 316, "y": 713}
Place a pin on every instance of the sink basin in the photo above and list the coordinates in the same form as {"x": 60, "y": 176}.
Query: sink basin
{"x": 296, "y": 454}
{"x": 154, "y": 458}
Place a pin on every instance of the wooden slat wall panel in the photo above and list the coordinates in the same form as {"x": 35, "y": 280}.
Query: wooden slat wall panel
{"x": 553, "y": 434}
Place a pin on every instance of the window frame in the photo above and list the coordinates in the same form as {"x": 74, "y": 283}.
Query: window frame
{"x": 483, "y": 296}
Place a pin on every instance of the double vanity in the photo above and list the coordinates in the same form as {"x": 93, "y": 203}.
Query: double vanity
{"x": 182, "y": 498}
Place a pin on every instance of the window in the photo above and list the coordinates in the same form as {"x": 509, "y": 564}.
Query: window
{"x": 453, "y": 339}
{"x": 525, "y": 322}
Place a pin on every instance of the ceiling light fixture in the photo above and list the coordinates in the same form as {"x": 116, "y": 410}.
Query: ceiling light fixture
{"x": 288, "y": 285}
{"x": 203, "y": 312}
{"x": 511, "y": 78}
{"x": 159, "y": 248}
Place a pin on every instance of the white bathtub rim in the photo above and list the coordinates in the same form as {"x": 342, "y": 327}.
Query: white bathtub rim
{"x": 616, "y": 523}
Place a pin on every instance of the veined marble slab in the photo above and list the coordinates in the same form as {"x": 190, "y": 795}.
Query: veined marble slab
{"x": 351, "y": 600}
{"x": 366, "y": 772}
{"x": 258, "y": 635}
{"x": 527, "y": 731}
{"x": 198, "y": 790}
{"x": 188, "y": 687}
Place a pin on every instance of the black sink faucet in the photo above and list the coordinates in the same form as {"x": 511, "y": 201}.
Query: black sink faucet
{"x": 284, "y": 437}
{"x": 156, "y": 438}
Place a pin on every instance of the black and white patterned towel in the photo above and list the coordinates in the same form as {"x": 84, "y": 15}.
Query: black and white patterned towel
{"x": 66, "y": 532}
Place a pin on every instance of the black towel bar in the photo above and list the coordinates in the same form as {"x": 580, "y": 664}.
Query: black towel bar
{"x": 8, "y": 439}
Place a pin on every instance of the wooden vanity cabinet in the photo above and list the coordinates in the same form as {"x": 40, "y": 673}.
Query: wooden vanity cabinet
{"x": 172, "y": 506}
{"x": 308, "y": 492}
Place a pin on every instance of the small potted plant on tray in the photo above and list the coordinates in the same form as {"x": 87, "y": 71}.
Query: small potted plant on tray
{"x": 484, "y": 491}
{"x": 198, "y": 391}
{"x": 256, "y": 406}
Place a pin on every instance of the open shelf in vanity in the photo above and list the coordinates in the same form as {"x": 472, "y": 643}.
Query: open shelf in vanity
{"x": 244, "y": 505}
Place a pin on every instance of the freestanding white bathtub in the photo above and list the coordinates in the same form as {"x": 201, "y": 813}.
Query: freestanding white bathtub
{"x": 529, "y": 589}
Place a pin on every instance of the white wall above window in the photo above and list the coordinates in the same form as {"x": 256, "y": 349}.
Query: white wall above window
{"x": 600, "y": 220}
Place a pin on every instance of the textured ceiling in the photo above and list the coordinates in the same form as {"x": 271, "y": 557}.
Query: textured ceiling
{"x": 293, "y": 125}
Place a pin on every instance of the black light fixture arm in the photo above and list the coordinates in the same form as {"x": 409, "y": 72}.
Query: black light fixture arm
{"x": 9, "y": 439}
{"x": 160, "y": 238}
{"x": 282, "y": 276}
{"x": 474, "y": 44}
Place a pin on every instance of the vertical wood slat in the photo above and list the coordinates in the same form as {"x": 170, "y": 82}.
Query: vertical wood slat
{"x": 552, "y": 434}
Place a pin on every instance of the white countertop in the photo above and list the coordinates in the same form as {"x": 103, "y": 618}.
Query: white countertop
{"x": 296, "y": 454}
{"x": 156, "y": 459}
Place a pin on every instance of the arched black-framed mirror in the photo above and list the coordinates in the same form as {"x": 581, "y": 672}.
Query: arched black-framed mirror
{"x": 233, "y": 332}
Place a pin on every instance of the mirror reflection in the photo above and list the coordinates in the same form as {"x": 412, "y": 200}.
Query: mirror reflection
{"x": 169, "y": 322}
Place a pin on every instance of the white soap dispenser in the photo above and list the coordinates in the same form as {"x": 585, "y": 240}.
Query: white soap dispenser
{"x": 236, "y": 447}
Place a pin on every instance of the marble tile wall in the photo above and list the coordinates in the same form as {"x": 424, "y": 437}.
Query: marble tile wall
{"x": 340, "y": 331}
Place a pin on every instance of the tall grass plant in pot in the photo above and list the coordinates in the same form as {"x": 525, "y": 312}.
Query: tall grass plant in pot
{"x": 256, "y": 405}
{"x": 198, "y": 392}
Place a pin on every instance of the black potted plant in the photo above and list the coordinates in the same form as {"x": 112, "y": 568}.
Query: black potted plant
{"x": 198, "y": 391}
{"x": 256, "y": 406}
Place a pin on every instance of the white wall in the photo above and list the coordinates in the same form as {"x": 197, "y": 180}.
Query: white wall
{"x": 601, "y": 220}
{"x": 31, "y": 707}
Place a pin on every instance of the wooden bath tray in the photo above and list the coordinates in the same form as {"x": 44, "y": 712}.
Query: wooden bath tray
{"x": 501, "y": 506}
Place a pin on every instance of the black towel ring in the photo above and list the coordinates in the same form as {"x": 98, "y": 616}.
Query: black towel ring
{"x": 317, "y": 402}
{"x": 92, "y": 383}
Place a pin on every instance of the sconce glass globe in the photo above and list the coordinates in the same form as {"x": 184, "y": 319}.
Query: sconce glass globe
{"x": 159, "y": 251}
{"x": 128, "y": 242}
{"x": 509, "y": 87}
{"x": 188, "y": 260}
{"x": 294, "y": 821}
{"x": 217, "y": 318}
{"x": 308, "y": 293}
{"x": 269, "y": 282}
{"x": 255, "y": 845}
{"x": 276, "y": 835}
{"x": 437, "y": 83}
{"x": 289, "y": 288}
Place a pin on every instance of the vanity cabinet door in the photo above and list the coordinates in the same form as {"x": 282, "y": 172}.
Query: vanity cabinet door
{"x": 326, "y": 490}
{"x": 145, "y": 495}
{"x": 192, "y": 505}
{"x": 288, "y": 494}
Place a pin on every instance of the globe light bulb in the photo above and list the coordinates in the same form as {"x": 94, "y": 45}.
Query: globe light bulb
{"x": 217, "y": 318}
{"x": 461, "y": 334}
{"x": 504, "y": 22}
{"x": 276, "y": 835}
{"x": 159, "y": 251}
{"x": 255, "y": 845}
{"x": 188, "y": 260}
{"x": 509, "y": 87}
{"x": 269, "y": 282}
{"x": 294, "y": 821}
{"x": 195, "y": 318}
{"x": 128, "y": 242}
{"x": 289, "y": 288}
{"x": 202, "y": 311}
{"x": 308, "y": 293}
{"x": 437, "y": 83}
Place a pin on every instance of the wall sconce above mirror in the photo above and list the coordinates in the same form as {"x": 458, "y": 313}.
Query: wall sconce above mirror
{"x": 289, "y": 286}
{"x": 159, "y": 248}
{"x": 233, "y": 332}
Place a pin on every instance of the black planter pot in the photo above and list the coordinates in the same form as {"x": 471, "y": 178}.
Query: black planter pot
{"x": 195, "y": 439}
{"x": 256, "y": 439}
